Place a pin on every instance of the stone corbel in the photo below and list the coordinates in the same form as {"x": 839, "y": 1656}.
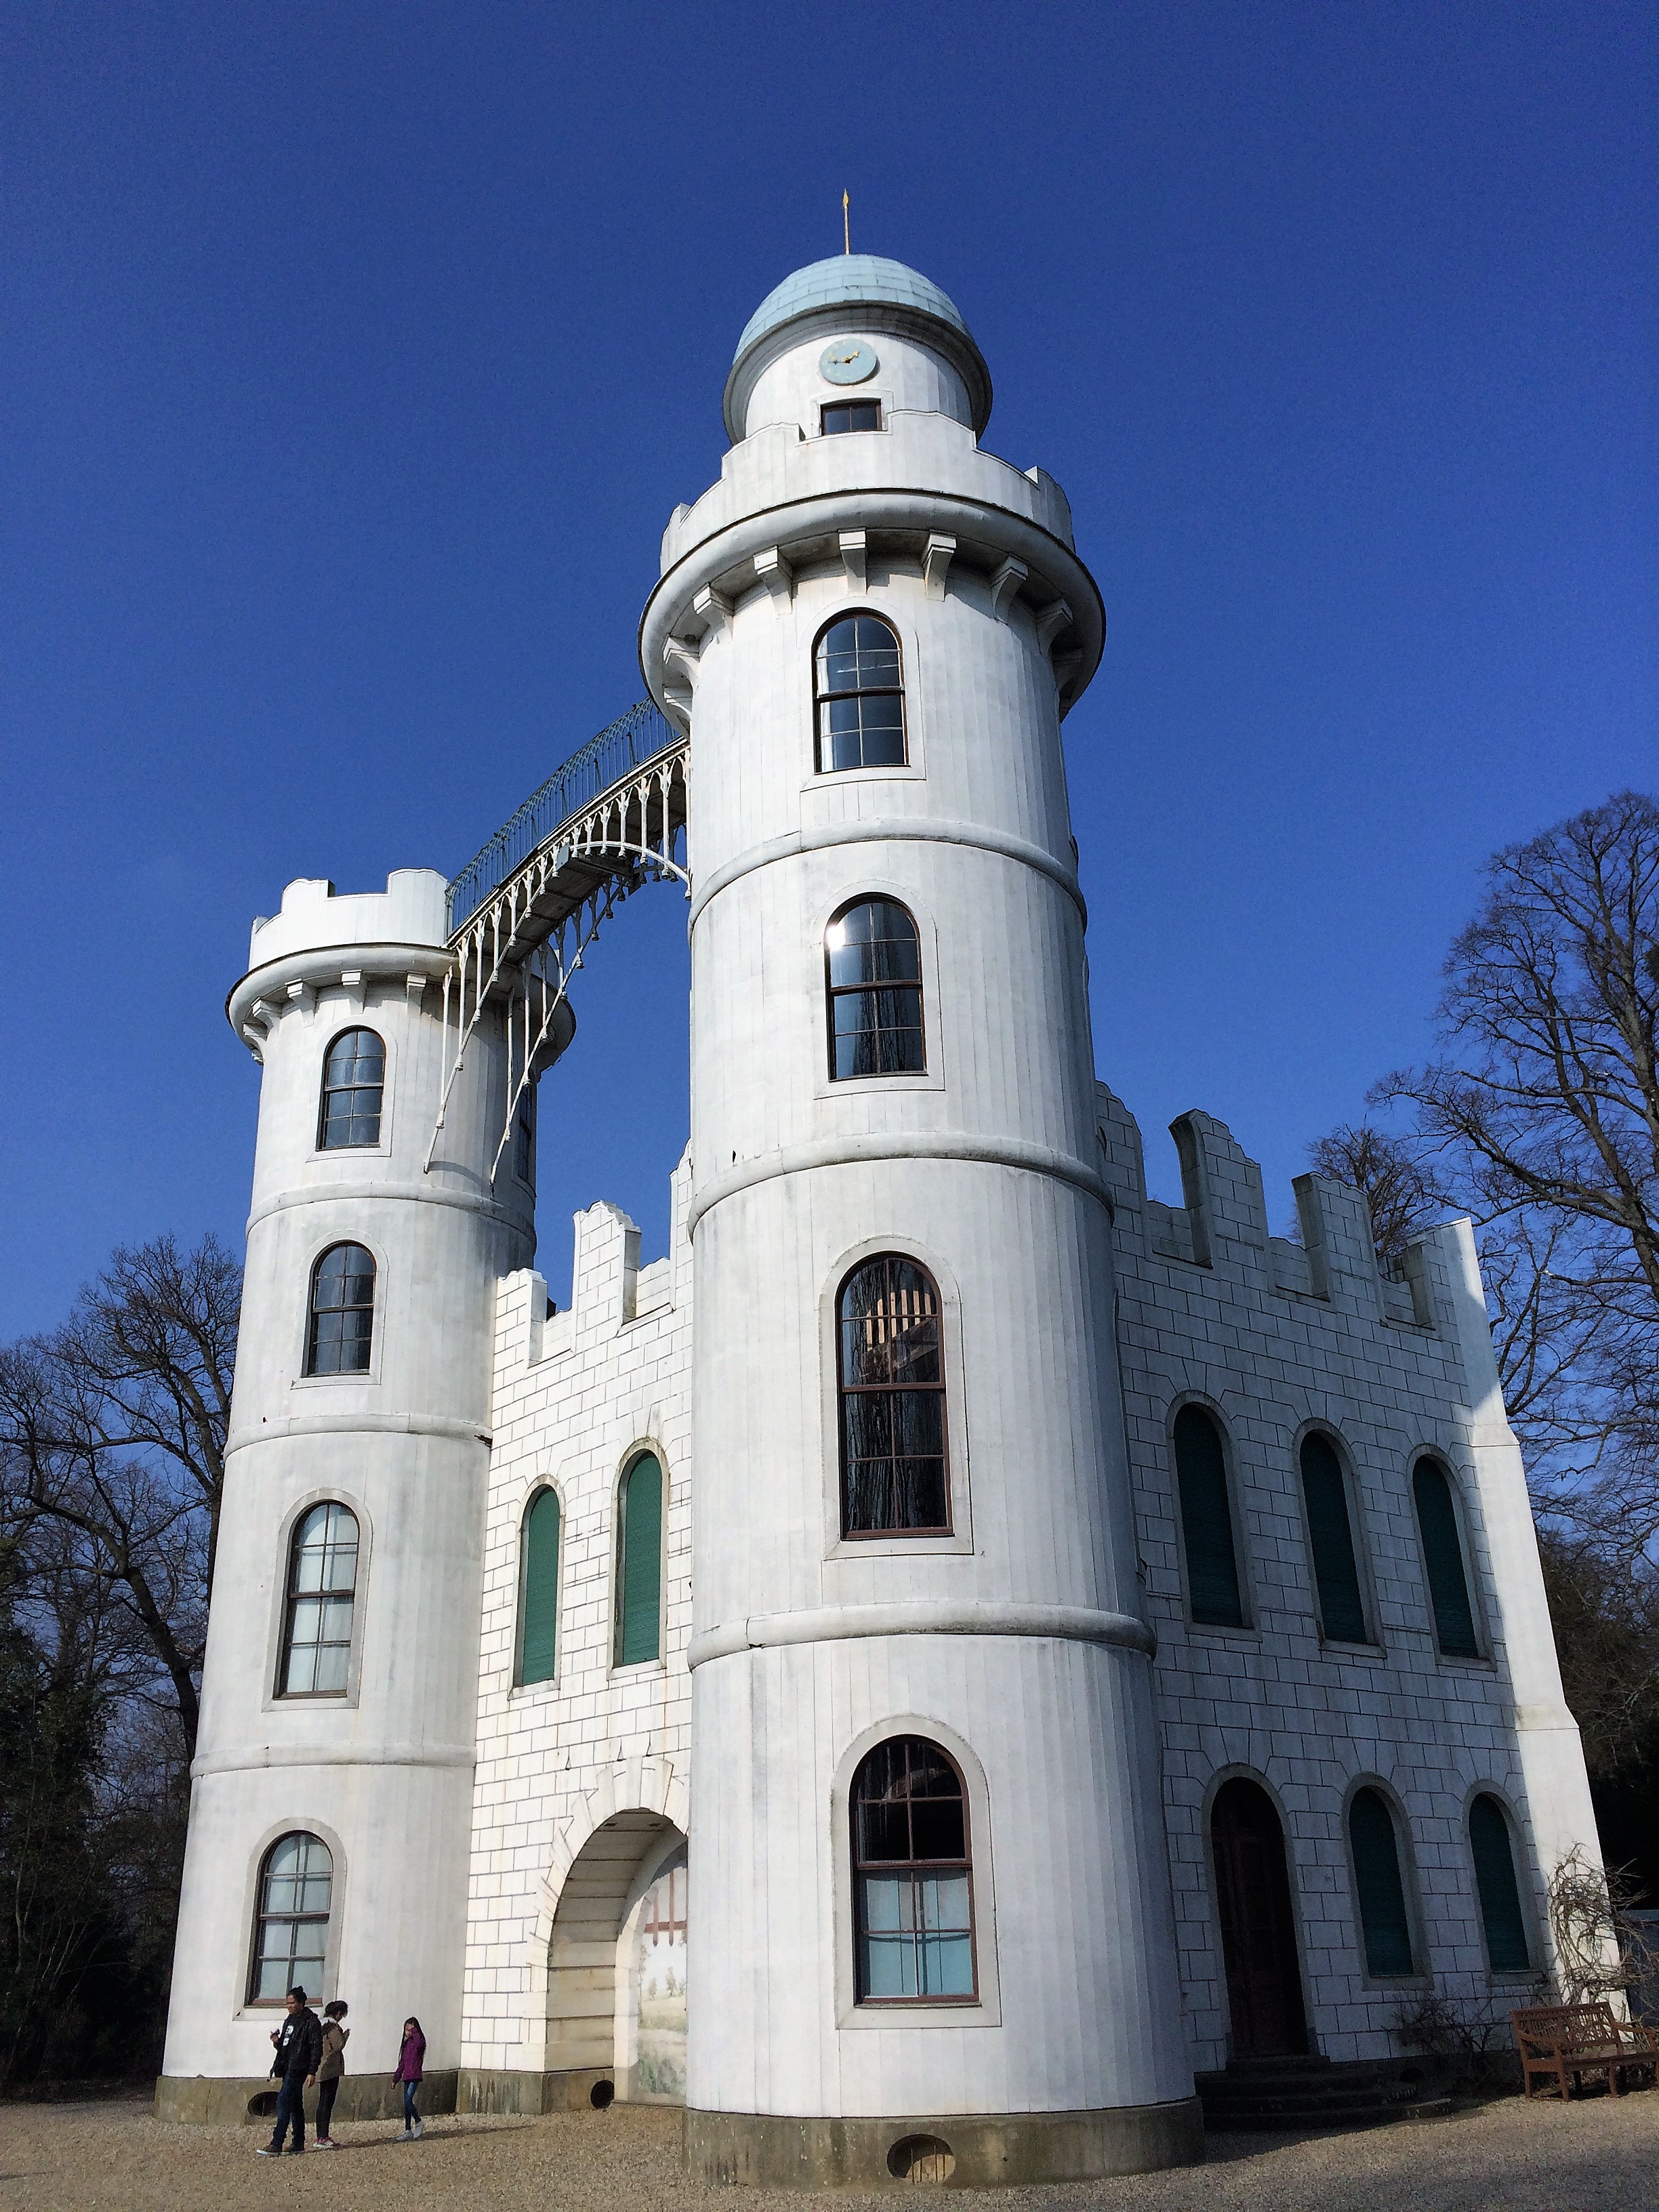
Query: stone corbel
{"x": 714, "y": 609}
{"x": 303, "y": 995}
{"x": 936, "y": 559}
{"x": 351, "y": 982}
{"x": 853, "y": 549}
{"x": 1005, "y": 586}
{"x": 415, "y": 988}
{"x": 680, "y": 659}
{"x": 1055, "y": 618}
{"x": 1067, "y": 665}
{"x": 775, "y": 573}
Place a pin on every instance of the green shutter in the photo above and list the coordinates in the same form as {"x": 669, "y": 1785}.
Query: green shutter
{"x": 1341, "y": 1609}
{"x": 1494, "y": 1879}
{"x": 1449, "y": 1589}
{"x": 1206, "y": 1520}
{"x": 539, "y": 1620}
{"x": 639, "y": 1580}
{"x": 1381, "y": 1894}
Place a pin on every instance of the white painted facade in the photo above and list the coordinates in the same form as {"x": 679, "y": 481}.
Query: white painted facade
{"x": 512, "y": 1862}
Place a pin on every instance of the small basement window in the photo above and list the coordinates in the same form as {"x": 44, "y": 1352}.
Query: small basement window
{"x": 851, "y": 415}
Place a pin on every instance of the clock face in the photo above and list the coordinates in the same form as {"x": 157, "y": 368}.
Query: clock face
{"x": 848, "y": 361}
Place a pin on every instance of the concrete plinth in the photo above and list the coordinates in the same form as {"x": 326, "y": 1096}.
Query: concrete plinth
{"x": 499, "y": 2090}
{"x": 964, "y": 2151}
{"x": 224, "y": 2101}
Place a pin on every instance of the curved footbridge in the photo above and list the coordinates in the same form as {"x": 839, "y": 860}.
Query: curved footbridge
{"x": 523, "y": 911}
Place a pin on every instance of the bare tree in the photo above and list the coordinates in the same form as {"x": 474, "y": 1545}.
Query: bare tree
{"x": 113, "y": 1433}
{"x": 1541, "y": 1117}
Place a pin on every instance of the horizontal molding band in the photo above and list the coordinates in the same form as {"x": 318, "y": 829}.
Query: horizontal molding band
{"x": 915, "y": 1145}
{"x": 319, "y": 1193}
{"x": 288, "y": 1756}
{"x": 384, "y": 961}
{"x": 921, "y": 832}
{"x": 833, "y": 1624}
{"x": 364, "y": 1424}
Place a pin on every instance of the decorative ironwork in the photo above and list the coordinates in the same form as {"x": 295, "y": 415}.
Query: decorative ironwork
{"x": 626, "y": 744}
{"x": 534, "y": 899}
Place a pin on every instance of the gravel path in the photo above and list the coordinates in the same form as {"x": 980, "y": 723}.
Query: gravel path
{"x": 1595, "y": 2156}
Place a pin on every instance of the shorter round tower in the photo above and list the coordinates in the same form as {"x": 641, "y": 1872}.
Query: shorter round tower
{"x": 332, "y": 1785}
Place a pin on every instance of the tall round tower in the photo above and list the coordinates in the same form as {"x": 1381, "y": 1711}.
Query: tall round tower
{"x": 332, "y": 1788}
{"x": 933, "y": 1928}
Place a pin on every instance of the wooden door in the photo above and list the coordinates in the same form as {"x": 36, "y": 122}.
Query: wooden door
{"x": 1258, "y": 1927}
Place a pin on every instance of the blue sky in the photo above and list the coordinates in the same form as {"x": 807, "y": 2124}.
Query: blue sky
{"x": 354, "y": 356}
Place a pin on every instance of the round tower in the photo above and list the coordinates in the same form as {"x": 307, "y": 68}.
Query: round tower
{"x": 332, "y": 1785}
{"x": 933, "y": 1927}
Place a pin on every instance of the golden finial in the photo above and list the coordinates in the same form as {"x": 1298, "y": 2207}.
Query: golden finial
{"x": 846, "y": 226}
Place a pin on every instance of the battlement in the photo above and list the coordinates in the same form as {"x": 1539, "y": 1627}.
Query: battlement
{"x": 1222, "y": 1223}
{"x": 610, "y": 1290}
{"x": 314, "y": 916}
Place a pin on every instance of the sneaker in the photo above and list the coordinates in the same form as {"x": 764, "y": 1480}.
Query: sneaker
{"x": 296, "y": 2151}
{"x": 420, "y": 2129}
{"x": 267, "y": 2150}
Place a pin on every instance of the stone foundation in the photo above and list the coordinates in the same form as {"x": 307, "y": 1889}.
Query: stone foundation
{"x": 214, "y": 2100}
{"x": 498, "y": 2090}
{"x": 964, "y": 2151}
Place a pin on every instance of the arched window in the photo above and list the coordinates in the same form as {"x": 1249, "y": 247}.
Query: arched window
{"x": 1449, "y": 1586}
{"x": 353, "y": 1076}
{"x": 1380, "y": 1892}
{"x": 1493, "y": 1849}
{"x": 322, "y": 1584}
{"x": 538, "y": 1590}
{"x": 872, "y": 965}
{"x": 341, "y": 1312}
{"x": 860, "y": 695}
{"x": 1207, "y": 1522}
{"x": 912, "y": 1876}
{"x": 1336, "y": 1570}
{"x": 638, "y": 1563}
{"x": 892, "y": 1400}
{"x": 290, "y": 1930}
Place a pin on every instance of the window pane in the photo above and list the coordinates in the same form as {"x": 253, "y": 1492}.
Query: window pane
{"x": 1382, "y": 1895}
{"x": 915, "y": 1922}
{"x": 1449, "y": 1589}
{"x": 936, "y": 1828}
{"x": 1206, "y": 1520}
{"x": 1500, "y": 1896}
{"x": 1336, "y": 1573}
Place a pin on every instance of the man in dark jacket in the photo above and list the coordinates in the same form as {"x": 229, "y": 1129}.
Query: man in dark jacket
{"x": 299, "y": 2054}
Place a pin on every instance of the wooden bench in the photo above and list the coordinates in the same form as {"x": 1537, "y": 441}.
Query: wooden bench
{"x": 1559, "y": 2043}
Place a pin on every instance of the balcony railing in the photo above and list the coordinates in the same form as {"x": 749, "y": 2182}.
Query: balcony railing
{"x": 621, "y": 747}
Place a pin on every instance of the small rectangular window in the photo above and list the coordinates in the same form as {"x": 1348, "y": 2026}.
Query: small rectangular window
{"x": 851, "y": 415}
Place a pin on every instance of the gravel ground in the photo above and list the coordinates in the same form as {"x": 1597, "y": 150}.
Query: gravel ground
{"x": 114, "y": 2156}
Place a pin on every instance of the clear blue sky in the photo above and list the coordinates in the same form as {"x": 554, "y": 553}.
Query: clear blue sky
{"x": 355, "y": 356}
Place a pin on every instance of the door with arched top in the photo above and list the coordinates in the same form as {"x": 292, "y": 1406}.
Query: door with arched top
{"x": 1258, "y": 1924}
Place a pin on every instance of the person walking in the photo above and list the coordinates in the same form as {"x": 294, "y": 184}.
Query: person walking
{"x": 297, "y": 2055}
{"x": 335, "y": 2036}
{"x": 411, "y": 2064}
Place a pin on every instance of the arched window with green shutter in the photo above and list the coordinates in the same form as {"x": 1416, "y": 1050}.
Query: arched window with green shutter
{"x": 1207, "y": 1522}
{"x": 1380, "y": 1892}
{"x": 1330, "y": 1538}
{"x": 538, "y": 1593}
{"x": 639, "y": 1562}
{"x": 1492, "y": 1850}
{"x": 1442, "y": 1554}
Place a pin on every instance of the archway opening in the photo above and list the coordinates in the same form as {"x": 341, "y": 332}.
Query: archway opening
{"x": 1258, "y": 1924}
{"x": 616, "y": 1960}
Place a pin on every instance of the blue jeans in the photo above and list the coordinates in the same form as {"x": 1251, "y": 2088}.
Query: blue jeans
{"x": 291, "y": 2112}
{"x": 409, "y": 2114}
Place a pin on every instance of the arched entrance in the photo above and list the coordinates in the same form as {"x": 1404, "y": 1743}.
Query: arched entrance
{"x": 616, "y": 1960}
{"x": 1258, "y": 1924}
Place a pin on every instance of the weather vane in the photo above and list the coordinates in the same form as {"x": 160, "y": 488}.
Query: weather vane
{"x": 846, "y": 226}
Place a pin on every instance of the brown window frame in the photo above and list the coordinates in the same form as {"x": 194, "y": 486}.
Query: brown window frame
{"x": 914, "y": 1867}
{"x": 848, "y": 407}
{"x": 314, "y": 1313}
{"x": 833, "y": 991}
{"x": 846, "y": 1390}
{"x": 824, "y": 695}
{"x": 293, "y": 1595}
{"x": 331, "y": 1090}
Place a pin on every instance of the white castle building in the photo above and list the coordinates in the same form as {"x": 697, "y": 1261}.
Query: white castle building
{"x": 954, "y": 1647}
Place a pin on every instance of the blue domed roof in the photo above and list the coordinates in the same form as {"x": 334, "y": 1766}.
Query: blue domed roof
{"x": 829, "y": 292}
{"x": 848, "y": 280}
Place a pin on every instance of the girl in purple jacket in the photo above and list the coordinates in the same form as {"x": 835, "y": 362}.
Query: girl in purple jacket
{"x": 411, "y": 2060}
